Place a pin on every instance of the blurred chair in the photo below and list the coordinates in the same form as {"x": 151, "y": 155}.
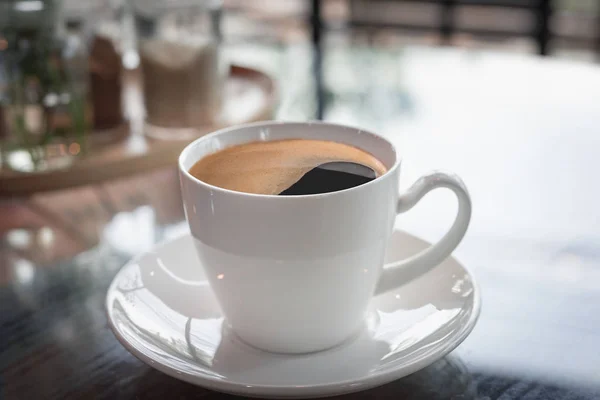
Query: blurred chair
{"x": 456, "y": 19}
{"x": 548, "y": 27}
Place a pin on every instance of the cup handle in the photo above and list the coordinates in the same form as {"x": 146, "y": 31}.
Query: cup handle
{"x": 398, "y": 273}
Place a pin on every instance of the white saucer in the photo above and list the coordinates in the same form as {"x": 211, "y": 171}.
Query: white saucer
{"x": 162, "y": 309}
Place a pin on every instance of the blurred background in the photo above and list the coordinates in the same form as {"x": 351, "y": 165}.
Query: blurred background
{"x": 98, "y": 98}
{"x": 269, "y": 34}
{"x": 82, "y": 142}
{"x": 91, "y": 100}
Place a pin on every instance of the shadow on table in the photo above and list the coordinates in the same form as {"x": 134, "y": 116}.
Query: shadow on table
{"x": 445, "y": 379}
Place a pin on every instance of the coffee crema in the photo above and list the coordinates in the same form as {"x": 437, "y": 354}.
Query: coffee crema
{"x": 271, "y": 167}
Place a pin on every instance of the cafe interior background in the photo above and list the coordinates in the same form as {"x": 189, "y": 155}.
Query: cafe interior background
{"x": 88, "y": 157}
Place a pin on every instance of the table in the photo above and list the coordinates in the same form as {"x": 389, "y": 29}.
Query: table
{"x": 521, "y": 131}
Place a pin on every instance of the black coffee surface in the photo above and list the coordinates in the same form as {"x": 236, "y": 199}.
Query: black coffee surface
{"x": 319, "y": 180}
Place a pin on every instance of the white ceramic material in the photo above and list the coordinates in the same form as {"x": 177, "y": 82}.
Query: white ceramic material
{"x": 163, "y": 310}
{"x": 295, "y": 274}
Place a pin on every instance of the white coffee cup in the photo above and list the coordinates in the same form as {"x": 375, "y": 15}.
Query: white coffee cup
{"x": 295, "y": 274}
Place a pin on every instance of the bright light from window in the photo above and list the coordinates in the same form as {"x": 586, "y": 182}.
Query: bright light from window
{"x": 29, "y": 6}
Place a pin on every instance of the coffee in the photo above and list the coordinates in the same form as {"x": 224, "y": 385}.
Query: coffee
{"x": 287, "y": 167}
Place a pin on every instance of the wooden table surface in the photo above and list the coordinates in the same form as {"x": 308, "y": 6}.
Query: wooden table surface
{"x": 522, "y": 132}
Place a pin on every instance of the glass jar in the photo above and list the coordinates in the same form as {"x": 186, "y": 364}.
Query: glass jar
{"x": 183, "y": 71}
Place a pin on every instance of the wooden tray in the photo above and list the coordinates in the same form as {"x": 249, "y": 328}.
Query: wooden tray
{"x": 250, "y": 96}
